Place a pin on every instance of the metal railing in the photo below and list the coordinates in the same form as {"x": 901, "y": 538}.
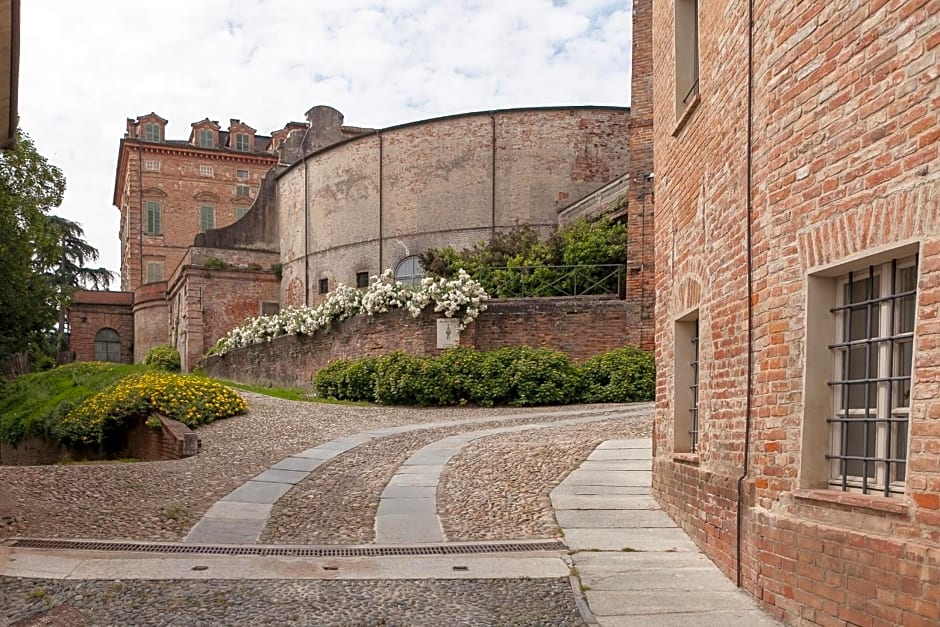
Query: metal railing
{"x": 547, "y": 281}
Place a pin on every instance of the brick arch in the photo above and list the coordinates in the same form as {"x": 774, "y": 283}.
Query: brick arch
{"x": 870, "y": 225}
{"x": 154, "y": 192}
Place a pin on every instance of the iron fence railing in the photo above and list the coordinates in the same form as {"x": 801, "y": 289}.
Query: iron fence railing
{"x": 545, "y": 281}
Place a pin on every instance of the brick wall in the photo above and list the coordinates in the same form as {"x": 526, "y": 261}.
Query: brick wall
{"x": 173, "y": 440}
{"x": 844, "y": 164}
{"x": 90, "y": 312}
{"x": 583, "y": 327}
{"x": 206, "y": 303}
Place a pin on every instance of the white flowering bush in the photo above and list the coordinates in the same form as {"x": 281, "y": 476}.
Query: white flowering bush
{"x": 460, "y": 297}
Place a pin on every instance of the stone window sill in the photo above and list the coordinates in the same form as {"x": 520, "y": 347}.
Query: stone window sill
{"x": 684, "y": 118}
{"x": 850, "y": 499}
{"x": 686, "y": 458}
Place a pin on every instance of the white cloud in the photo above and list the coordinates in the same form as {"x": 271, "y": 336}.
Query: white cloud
{"x": 86, "y": 66}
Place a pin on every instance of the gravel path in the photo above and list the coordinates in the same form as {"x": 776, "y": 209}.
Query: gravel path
{"x": 213, "y": 602}
{"x": 338, "y": 502}
{"x": 498, "y": 487}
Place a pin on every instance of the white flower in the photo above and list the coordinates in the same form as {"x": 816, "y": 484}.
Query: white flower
{"x": 461, "y": 298}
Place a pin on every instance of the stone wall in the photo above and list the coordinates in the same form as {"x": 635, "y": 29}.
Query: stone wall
{"x": 364, "y": 204}
{"x": 581, "y": 327}
{"x": 844, "y": 164}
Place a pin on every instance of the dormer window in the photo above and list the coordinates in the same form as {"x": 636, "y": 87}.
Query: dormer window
{"x": 151, "y": 132}
{"x": 206, "y": 138}
{"x": 242, "y": 142}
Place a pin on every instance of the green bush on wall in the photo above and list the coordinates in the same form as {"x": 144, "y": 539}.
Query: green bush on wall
{"x": 517, "y": 375}
{"x": 163, "y": 357}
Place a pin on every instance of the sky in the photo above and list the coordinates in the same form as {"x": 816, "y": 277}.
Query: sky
{"x": 85, "y": 67}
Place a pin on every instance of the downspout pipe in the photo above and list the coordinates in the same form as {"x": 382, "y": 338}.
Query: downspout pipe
{"x": 749, "y": 386}
{"x": 378, "y": 134}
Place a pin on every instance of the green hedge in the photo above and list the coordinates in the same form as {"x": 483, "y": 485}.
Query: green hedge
{"x": 518, "y": 376}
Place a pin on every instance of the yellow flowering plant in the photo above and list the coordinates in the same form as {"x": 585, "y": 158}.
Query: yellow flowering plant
{"x": 193, "y": 400}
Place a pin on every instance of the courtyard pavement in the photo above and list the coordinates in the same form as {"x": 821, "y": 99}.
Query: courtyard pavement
{"x": 439, "y": 551}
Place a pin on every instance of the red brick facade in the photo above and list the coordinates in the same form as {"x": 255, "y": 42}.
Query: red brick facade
{"x": 179, "y": 179}
{"x": 562, "y": 324}
{"x": 90, "y": 312}
{"x": 806, "y": 155}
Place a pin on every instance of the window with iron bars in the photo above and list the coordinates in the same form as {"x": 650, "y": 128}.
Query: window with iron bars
{"x": 693, "y": 388}
{"x": 871, "y": 385}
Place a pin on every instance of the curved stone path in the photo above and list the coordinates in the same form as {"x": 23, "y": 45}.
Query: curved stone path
{"x": 241, "y": 516}
{"x": 408, "y": 512}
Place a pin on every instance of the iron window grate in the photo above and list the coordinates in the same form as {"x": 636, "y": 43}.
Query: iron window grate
{"x": 693, "y": 410}
{"x": 872, "y": 382}
{"x": 288, "y": 551}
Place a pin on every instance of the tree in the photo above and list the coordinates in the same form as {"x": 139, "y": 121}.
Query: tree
{"x": 68, "y": 272}
{"x": 42, "y": 256}
{"x": 29, "y": 188}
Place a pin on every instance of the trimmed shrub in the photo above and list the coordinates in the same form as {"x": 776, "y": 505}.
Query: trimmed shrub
{"x": 624, "y": 375}
{"x": 163, "y": 357}
{"x": 399, "y": 379}
{"x": 330, "y": 381}
{"x": 541, "y": 376}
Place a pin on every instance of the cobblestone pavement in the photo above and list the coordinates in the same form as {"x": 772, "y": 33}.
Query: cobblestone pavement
{"x": 161, "y": 501}
{"x": 323, "y": 603}
{"x": 495, "y": 489}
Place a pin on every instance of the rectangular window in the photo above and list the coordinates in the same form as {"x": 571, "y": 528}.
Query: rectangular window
{"x": 206, "y": 170}
{"x": 362, "y": 279}
{"x": 871, "y": 383}
{"x": 154, "y": 271}
{"x": 241, "y": 175}
{"x": 206, "y": 218}
{"x": 242, "y": 191}
{"x": 270, "y": 308}
{"x": 151, "y": 132}
{"x": 687, "y": 424}
{"x": 206, "y": 138}
{"x": 324, "y": 286}
{"x": 154, "y": 218}
{"x": 242, "y": 142}
{"x": 687, "y": 70}
{"x": 151, "y": 165}
{"x": 240, "y": 212}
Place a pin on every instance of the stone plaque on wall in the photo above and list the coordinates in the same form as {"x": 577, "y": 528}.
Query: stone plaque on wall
{"x": 448, "y": 333}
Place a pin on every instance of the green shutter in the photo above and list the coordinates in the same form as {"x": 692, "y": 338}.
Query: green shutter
{"x": 206, "y": 218}
{"x": 154, "y": 218}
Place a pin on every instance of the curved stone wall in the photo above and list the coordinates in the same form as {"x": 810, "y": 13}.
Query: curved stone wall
{"x": 364, "y": 204}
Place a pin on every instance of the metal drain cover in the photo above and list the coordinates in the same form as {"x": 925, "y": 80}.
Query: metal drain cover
{"x": 289, "y": 551}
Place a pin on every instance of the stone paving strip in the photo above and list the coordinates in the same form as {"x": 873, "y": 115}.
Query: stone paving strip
{"x": 635, "y": 565}
{"x": 470, "y": 602}
{"x": 408, "y": 513}
{"x": 499, "y": 487}
{"x": 241, "y": 516}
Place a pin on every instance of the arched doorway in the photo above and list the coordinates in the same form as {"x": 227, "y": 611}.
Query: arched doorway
{"x": 108, "y": 346}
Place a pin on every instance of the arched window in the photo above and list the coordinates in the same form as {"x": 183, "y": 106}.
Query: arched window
{"x": 108, "y": 346}
{"x": 409, "y": 271}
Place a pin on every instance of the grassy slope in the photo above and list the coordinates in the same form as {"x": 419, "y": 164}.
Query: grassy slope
{"x": 30, "y": 403}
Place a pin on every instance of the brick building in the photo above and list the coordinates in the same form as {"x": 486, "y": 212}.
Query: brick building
{"x": 205, "y": 222}
{"x": 797, "y": 432}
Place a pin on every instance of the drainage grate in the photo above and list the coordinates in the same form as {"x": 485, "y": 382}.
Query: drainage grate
{"x": 288, "y": 551}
